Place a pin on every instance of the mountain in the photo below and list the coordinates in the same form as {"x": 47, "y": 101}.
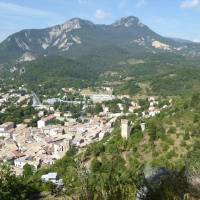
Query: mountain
{"x": 78, "y": 37}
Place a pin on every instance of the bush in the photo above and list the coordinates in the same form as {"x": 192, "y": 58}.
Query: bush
{"x": 186, "y": 136}
{"x": 165, "y": 147}
{"x": 171, "y": 154}
{"x": 95, "y": 165}
{"x": 170, "y": 141}
{"x": 172, "y": 130}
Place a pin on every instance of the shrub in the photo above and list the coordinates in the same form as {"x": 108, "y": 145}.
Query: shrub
{"x": 186, "y": 136}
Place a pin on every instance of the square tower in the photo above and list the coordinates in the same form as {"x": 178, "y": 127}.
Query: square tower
{"x": 125, "y": 128}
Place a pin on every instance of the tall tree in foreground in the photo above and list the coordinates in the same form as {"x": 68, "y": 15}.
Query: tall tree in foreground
{"x": 13, "y": 187}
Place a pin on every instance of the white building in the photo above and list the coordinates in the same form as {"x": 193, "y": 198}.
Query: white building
{"x": 20, "y": 162}
{"x": 5, "y": 134}
{"x": 52, "y": 177}
{"x": 43, "y": 122}
{"x": 98, "y": 98}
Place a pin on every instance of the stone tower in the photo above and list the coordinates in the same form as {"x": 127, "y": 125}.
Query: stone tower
{"x": 142, "y": 125}
{"x": 125, "y": 129}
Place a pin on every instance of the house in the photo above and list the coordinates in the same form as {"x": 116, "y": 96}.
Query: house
{"x": 68, "y": 114}
{"x": 151, "y": 99}
{"x": 20, "y": 162}
{"x": 41, "y": 123}
{"x": 98, "y": 98}
{"x": 52, "y": 177}
{"x": 131, "y": 109}
{"x": 6, "y": 126}
{"x": 57, "y": 114}
{"x": 41, "y": 113}
{"x": 120, "y": 106}
{"x": 105, "y": 109}
{"x": 134, "y": 106}
{"x": 153, "y": 111}
{"x": 5, "y": 134}
{"x": 18, "y": 154}
{"x": 61, "y": 147}
{"x": 44, "y": 121}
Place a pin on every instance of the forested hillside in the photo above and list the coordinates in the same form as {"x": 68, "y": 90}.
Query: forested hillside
{"x": 159, "y": 74}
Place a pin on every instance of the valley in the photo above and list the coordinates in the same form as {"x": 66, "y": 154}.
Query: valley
{"x": 94, "y": 111}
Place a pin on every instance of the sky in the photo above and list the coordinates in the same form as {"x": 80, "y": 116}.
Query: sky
{"x": 171, "y": 18}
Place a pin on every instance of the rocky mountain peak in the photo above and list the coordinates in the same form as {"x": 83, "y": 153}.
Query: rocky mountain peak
{"x": 128, "y": 22}
{"x": 77, "y": 23}
{"x": 72, "y": 24}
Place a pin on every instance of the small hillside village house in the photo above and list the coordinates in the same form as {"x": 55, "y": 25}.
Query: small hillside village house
{"x": 52, "y": 177}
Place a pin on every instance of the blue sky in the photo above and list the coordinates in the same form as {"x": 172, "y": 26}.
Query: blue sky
{"x": 174, "y": 18}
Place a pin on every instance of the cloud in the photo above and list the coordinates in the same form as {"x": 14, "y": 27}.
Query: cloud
{"x": 187, "y": 4}
{"x": 101, "y": 14}
{"x": 140, "y": 3}
{"x": 22, "y": 10}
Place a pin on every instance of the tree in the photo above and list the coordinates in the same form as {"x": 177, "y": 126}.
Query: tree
{"x": 98, "y": 108}
{"x": 95, "y": 165}
{"x": 152, "y": 130}
{"x": 13, "y": 187}
{"x": 28, "y": 170}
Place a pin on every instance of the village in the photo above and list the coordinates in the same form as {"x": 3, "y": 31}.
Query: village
{"x": 43, "y": 144}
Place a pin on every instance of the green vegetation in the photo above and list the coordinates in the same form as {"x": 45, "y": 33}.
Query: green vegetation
{"x": 162, "y": 73}
{"x": 12, "y": 187}
{"x": 18, "y": 114}
{"x": 129, "y": 87}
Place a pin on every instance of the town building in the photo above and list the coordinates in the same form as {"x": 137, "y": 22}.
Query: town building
{"x": 20, "y": 162}
{"x": 6, "y": 126}
{"x": 44, "y": 121}
{"x": 53, "y": 178}
{"x": 61, "y": 147}
{"x": 99, "y": 98}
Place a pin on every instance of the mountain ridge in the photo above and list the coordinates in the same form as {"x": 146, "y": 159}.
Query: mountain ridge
{"x": 82, "y": 35}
